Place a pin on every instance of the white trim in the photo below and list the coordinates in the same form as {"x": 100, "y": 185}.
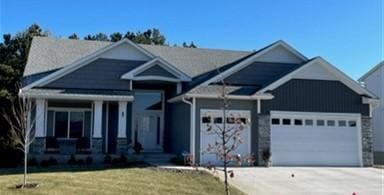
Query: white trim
{"x": 84, "y": 61}
{"x": 97, "y": 127}
{"x": 40, "y": 118}
{"x": 264, "y": 96}
{"x": 122, "y": 120}
{"x": 132, "y": 75}
{"x": 318, "y": 60}
{"x": 252, "y": 59}
{"x": 258, "y": 106}
{"x": 155, "y": 78}
{"x": 76, "y": 96}
{"x": 321, "y": 114}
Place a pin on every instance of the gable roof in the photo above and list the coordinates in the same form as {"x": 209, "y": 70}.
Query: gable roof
{"x": 378, "y": 66}
{"x": 47, "y": 54}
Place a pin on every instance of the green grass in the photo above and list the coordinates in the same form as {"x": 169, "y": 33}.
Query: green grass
{"x": 144, "y": 180}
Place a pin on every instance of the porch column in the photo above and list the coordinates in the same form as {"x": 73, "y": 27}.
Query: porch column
{"x": 122, "y": 142}
{"x": 97, "y": 141}
{"x": 40, "y": 118}
{"x": 38, "y": 145}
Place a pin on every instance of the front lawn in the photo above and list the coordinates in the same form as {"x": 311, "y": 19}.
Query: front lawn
{"x": 145, "y": 180}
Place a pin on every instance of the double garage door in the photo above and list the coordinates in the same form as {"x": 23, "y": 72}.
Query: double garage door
{"x": 214, "y": 118}
{"x": 315, "y": 139}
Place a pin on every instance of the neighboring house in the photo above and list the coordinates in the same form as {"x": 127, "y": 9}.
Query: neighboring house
{"x": 374, "y": 81}
{"x": 97, "y": 97}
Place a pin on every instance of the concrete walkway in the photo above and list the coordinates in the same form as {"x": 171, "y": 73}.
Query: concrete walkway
{"x": 309, "y": 180}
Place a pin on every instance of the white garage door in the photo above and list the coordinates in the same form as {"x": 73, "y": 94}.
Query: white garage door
{"x": 315, "y": 139}
{"x": 209, "y": 117}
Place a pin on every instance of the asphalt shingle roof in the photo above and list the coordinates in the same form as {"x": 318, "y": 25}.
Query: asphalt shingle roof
{"x": 48, "y": 54}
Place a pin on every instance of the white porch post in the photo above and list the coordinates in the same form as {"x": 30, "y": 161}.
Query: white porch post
{"x": 97, "y": 119}
{"x": 122, "y": 119}
{"x": 40, "y": 118}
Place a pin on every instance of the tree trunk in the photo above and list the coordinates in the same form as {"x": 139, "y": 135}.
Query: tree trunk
{"x": 25, "y": 167}
{"x": 225, "y": 152}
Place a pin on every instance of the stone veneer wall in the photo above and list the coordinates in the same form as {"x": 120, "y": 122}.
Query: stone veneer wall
{"x": 97, "y": 145}
{"x": 264, "y": 137}
{"x": 37, "y": 146}
{"x": 122, "y": 146}
{"x": 367, "y": 141}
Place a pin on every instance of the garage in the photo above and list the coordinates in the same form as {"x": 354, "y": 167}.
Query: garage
{"x": 214, "y": 118}
{"x": 315, "y": 139}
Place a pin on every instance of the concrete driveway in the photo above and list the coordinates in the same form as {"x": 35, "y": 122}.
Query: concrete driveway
{"x": 309, "y": 180}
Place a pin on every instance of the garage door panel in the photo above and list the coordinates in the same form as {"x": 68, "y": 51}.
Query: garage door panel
{"x": 324, "y": 145}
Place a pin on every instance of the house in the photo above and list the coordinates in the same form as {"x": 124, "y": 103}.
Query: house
{"x": 374, "y": 81}
{"x": 99, "y": 97}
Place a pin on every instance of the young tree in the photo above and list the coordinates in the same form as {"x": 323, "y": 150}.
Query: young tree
{"x": 229, "y": 136}
{"x": 22, "y": 129}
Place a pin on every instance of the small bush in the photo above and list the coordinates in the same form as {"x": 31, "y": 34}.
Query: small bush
{"x": 177, "y": 161}
{"x": 80, "y": 162}
{"x": 32, "y": 162}
{"x": 123, "y": 159}
{"x": 115, "y": 161}
{"x": 72, "y": 160}
{"x": 89, "y": 160}
{"x": 50, "y": 162}
{"x": 107, "y": 159}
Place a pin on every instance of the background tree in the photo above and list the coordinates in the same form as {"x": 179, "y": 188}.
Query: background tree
{"x": 73, "y": 36}
{"x": 116, "y": 36}
{"x": 229, "y": 137}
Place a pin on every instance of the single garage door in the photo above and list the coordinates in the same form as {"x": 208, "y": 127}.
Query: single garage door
{"x": 210, "y": 117}
{"x": 315, "y": 139}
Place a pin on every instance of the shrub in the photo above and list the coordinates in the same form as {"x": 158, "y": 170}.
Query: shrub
{"x": 80, "y": 162}
{"x": 115, "y": 161}
{"x": 177, "y": 161}
{"x": 89, "y": 160}
{"x": 32, "y": 162}
{"x": 137, "y": 147}
{"x": 123, "y": 159}
{"x": 72, "y": 160}
{"x": 52, "y": 161}
{"x": 107, "y": 159}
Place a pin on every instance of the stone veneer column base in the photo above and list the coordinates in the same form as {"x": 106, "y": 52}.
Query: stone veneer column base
{"x": 97, "y": 145}
{"x": 367, "y": 141}
{"x": 264, "y": 137}
{"x": 122, "y": 146}
{"x": 37, "y": 146}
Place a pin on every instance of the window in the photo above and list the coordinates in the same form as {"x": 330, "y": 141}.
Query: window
{"x": 206, "y": 119}
{"x": 352, "y": 123}
{"x": 275, "y": 121}
{"x": 74, "y": 123}
{"x": 330, "y": 123}
{"x": 342, "y": 123}
{"x": 231, "y": 120}
{"x": 308, "y": 122}
{"x": 320, "y": 122}
{"x": 298, "y": 122}
{"x": 286, "y": 121}
{"x": 218, "y": 120}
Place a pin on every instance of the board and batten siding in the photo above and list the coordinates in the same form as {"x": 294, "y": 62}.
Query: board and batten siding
{"x": 179, "y": 124}
{"x": 234, "y": 105}
{"x": 303, "y": 95}
{"x": 99, "y": 74}
{"x": 156, "y": 71}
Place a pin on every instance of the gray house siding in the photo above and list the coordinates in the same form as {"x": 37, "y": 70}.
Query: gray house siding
{"x": 99, "y": 74}
{"x": 315, "y": 96}
{"x": 179, "y": 135}
{"x": 235, "y": 105}
{"x": 156, "y": 71}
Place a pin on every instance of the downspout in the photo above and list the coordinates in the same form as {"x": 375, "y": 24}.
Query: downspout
{"x": 192, "y": 126}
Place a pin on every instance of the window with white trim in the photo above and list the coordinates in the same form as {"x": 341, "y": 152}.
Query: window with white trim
{"x": 70, "y": 123}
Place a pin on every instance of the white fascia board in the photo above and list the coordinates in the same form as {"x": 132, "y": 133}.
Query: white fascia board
{"x": 291, "y": 114}
{"x": 252, "y": 59}
{"x": 336, "y": 72}
{"x": 265, "y": 96}
{"x": 131, "y": 75}
{"x": 82, "y": 62}
{"x": 376, "y": 67}
{"x": 77, "y": 97}
{"x": 155, "y": 78}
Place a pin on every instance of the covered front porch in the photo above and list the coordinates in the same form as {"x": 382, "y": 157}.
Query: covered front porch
{"x": 84, "y": 122}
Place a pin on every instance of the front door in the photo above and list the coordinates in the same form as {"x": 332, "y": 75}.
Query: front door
{"x": 148, "y": 120}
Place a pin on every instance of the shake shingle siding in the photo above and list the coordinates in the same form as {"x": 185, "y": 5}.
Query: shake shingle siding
{"x": 315, "y": 96}
{"x": 156, "y": 71}
{"x": 99, "y": 74}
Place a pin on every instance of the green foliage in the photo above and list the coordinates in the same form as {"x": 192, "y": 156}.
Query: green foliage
{"x": 73, "y": 36}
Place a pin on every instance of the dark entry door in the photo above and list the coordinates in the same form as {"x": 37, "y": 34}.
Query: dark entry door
{"x": 112, "y": 127}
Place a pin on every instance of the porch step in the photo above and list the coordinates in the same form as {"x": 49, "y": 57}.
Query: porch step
{"x": 158, "y": 158}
